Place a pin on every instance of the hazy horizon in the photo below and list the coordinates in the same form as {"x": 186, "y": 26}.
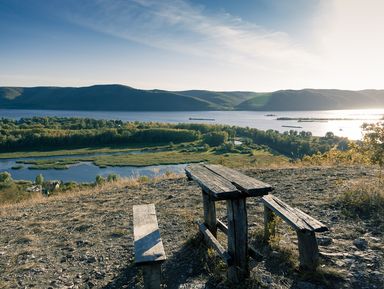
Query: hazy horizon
{"x": 260, "y": 45}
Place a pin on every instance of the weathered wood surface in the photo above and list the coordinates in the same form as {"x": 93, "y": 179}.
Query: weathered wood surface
{"x": 212, "y": 242}
{"x": 224, "y": 183}
{"x": 316, "y": 225}
{"x": 211, "y": 183}
{"x": 293, "y": 216}
{"x": 209, "y": 213}
{"x": 238, "y": 240}
{"x": 252, "y": 251}
{"x": 223, "y": 227}
{"x": 148, "y": 245}
{"x": 308, "y": 250}
{"x": 247, "y": 185}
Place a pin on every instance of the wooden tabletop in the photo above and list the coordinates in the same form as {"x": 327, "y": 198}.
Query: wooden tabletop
{"x": 223, "y": 183}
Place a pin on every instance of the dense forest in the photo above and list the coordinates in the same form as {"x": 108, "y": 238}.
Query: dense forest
{"x": 50, "y": 133}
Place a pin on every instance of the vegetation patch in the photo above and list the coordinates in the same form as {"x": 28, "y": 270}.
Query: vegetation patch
{"x": 364, "y": 198}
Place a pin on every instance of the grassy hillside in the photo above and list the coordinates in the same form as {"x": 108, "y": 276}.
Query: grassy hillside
{"x": 119, "y": 97}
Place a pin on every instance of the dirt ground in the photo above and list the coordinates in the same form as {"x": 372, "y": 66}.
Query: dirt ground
{"x": 86, "y": 241}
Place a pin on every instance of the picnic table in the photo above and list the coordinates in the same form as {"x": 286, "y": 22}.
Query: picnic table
{"x": 220, "y": 183}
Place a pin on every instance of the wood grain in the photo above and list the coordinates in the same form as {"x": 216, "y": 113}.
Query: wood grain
{"x": 296, "y": 218}
{"x": 147, "y": 241}
{"x": 247, "y": 185}
{"x": 213, "y": 184}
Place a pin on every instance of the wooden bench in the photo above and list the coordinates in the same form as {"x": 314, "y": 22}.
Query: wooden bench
{"x": 149, "y": 250}
{"x": 304, "y": 225}
{"x": 220, "y": 183}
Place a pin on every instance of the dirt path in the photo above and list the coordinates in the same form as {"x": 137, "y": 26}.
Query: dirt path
{"x": 86, "y": 241}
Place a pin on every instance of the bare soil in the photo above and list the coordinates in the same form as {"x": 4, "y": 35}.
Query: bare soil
{"x": 86, "y": 241}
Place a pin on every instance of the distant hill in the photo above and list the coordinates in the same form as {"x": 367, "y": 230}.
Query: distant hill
{"x": 120, "y": 97}
{"x": 314, "y": 99}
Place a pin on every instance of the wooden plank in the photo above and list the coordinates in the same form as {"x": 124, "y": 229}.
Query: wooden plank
{"x": 223, "y": 227}
{"x": 152, "y": 275}
{"x": 212, "y": 242}
{"x": 148, "y": 244}
{"x": 252, "y": 252}
{"x": 218, "y": 187}
{"x": 238, "y": 240}
{"x": 209, "y": 213}
{"x": 247, "y": 185}
{"x": 316, "y": 225}
{"x": 285, "y": 212}
{"x": 308, "y": 250}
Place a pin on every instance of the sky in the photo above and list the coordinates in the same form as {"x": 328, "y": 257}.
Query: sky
{"x": 254, "y": 45}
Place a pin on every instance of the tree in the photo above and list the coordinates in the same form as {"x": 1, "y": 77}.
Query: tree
{"x": 373, "y": 142}
{"x": 39, "y": 179}
{"x": 216, "y": 138}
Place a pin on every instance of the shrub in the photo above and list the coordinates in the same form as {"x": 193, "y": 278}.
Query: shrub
{"x": 99, "y": 180}
{"x": 373, "y": 142}
{"x": 5, "y": 179}
{"x": 113, "y": 177}
{"x": 215, "y": 138}
{"x": 364, "y": 198}
{"x": 39, "y": 180}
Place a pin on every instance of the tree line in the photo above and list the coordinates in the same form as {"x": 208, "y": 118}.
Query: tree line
{"x": 58, "y": 133}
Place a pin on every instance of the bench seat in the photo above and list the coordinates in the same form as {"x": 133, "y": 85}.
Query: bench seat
{"x": 149, "y": 249}
{"x": 304, "y": 225}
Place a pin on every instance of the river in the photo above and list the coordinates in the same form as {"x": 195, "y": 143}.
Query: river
{"x": 346, "y": 123}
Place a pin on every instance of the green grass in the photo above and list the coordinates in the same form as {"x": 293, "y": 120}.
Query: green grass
{"x": 257, "y": 158}
{"x": 78, "y": 151}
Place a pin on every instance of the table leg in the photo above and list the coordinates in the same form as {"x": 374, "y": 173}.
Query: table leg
{"x": 209, "y": 213}
{"x": 238, "y": 239}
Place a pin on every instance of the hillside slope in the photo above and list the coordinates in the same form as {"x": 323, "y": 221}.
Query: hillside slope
{"x": 86, "y": 240}
{"x": 98, "y": 97}
{"x": 125, "y": 98}
{"x": 315, "y": 99}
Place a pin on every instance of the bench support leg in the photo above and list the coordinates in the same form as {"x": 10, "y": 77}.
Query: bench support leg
{"x": 210, "y": 214}
{"x": 269, "y": 223}
{"x": 308, "y": 250}
{"x": 237, "y": 240}
{"x": 152, "y": 276}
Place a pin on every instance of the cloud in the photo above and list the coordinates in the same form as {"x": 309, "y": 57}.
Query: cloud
{"x": 179, "y": 26}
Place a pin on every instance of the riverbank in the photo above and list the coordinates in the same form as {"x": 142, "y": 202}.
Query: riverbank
{"x": 84, "y": 239}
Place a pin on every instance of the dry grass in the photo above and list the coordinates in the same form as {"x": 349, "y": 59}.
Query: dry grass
{"x": 38, "y": 198}
{"x": 364, "y": 198}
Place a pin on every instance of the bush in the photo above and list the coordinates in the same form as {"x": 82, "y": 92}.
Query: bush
{"x": 39, "y": 179}
{"x": 364, "y": 198}
{"x": 373, "y": 142}
{"x": 99, "y": 180}
{"x": 5, "y": 179}
{"x": 113, "y": 177}
{"x": 215, "y": 138}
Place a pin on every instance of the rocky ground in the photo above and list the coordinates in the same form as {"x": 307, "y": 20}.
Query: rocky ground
{"x": 86, "y": 241}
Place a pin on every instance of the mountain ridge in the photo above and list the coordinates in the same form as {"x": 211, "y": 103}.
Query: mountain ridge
{"x": 118, "y": 97}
